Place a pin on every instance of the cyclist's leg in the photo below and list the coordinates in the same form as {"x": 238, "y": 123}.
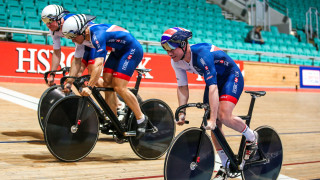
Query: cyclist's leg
{"x": 216, "y": 144}
{"x": 229, "y": 95}
{"x": 123, "y": 72}
{"x": 110, "y": 96}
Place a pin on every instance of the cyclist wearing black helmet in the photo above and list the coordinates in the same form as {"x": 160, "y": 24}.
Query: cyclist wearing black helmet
{"x": 224, "y": 85}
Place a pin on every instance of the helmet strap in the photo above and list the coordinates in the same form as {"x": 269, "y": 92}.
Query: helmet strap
{"x": 184, "y": 50}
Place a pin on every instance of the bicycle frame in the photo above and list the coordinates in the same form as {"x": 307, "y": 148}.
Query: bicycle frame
{"x": 121, "y": 132}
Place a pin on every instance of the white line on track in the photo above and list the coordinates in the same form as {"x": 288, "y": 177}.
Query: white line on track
{"x": 19, "y": 98}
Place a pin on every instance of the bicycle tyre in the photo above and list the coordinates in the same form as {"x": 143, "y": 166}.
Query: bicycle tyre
{"x": 153, "y": 145}
{"x": 270, "y": 144}
{"x": 47, "y": 100}
{"x": 61, "y": 142}
{"x": 182, "y": 152}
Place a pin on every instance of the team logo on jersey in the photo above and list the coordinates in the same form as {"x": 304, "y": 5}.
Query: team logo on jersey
{"x": 129, "y": 57}
{"x": 236, "y": 79}
{"x": 221, "y": 61}
{"x": 206, "y": 67}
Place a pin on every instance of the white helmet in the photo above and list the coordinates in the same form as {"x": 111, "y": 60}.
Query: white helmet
{"x": 76, "y": 25}
{"x": 52, "y": 13}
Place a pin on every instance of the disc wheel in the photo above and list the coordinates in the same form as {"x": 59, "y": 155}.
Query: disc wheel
{"x": 180, "y": 160}
{"x": 154, "y": 143}
{"x": 270, "y": 146}
{"x": 47, "y": 100}
{"x": 64, "y": 142}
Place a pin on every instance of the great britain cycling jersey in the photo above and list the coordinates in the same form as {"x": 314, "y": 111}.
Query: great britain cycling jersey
{"x": 216, "y": 67}
{"x": 56, "y": 41}
{"x": 126, "y": 52}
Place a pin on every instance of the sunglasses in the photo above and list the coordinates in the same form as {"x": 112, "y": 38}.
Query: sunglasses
{"x": 169, "y": 46}
{"x": 47, "y": 20}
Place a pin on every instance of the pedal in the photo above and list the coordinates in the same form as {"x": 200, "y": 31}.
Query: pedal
{"x": 130, "y": 133}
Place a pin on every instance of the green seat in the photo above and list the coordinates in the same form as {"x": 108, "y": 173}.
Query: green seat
{"x": 254, "y": 58}
{"x": 307, "y": 62}
{"x": 243, "y": 57}
{"x": 273, "y": 59}
{"x": 264, "y": 58}
{"x": 19, "y": 37}
{"x": 283, "y": 60}
{"x": 234, "y": 56}
{"x": 36, "y": 39}
{"x": 299, "y": 62}
{"x": 317, "y": 63}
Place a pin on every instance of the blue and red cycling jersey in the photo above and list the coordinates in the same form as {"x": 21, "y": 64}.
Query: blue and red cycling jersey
{"x": 126, "y": 52}
{"x": 216, "y": 67}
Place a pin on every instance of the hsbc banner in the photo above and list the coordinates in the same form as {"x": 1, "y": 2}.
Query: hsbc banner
{"x": 26, "y": 63}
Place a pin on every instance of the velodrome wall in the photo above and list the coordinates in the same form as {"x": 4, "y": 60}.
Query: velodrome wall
{"x": 26, "y": 63}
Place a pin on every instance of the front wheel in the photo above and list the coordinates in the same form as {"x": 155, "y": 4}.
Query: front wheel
{"x": 270, "y": 149}
{"x": 63, "y": 139}
{"x": 181, "y": 162}
{"x": 159, "y": 133}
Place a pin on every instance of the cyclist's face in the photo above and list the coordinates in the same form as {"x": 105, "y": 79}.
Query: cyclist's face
{"x": 53, "y": 26}
{"x": 78, "y": 39}
{"x": 175, "y": 54}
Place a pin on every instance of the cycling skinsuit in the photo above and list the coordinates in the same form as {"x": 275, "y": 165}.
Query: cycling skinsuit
{"x": 126, "y": 53}
{"x": 216, "y": 67}
{"x": 56, "y": 35}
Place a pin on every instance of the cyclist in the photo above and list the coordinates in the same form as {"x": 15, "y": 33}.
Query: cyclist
{"x": 224, "y": 85}
{"x": 126, "y": 54}
{"x": 54, "y": 16}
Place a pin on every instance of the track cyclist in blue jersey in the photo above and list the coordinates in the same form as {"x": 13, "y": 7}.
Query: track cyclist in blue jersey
{"x": 224, "y": 85}
{"x": 126, "y": 54}
{"x": 54, "y": 16}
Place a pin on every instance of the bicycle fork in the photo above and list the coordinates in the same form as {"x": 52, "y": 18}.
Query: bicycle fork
{"x": 197, "y": 159}
{"x": 81, "y": 104}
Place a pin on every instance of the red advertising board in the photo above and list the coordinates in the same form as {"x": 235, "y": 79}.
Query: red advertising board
{"x": 22, "y": 62}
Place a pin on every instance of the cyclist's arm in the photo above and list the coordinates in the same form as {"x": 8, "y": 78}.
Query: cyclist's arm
{"x": 214, "y": 102}
{"x": 96, "y": 71}
{"x": 74, "y": 70}
{"x": 56, "y": 59}
{"x": 183, "y": 94}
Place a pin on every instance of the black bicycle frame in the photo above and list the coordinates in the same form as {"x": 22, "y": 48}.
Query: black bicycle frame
{"x": 105, "y": 107}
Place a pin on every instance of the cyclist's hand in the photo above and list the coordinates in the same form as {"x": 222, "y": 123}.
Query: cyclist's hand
{"x": 67, "y": 88}
{"x": 211, "y": 125}
{"x": 85, "y": 91}
{"x": 182, "y": 119}
{"x": 51, "y": 80}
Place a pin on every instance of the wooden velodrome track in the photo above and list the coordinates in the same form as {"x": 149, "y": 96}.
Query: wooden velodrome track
{"x": 24, "y": 155}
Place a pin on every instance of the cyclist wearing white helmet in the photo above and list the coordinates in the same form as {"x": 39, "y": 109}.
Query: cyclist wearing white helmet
{"x": 224, "y": 85}
{"x": 54, "y": 16}
{"x": 126, "y": 54}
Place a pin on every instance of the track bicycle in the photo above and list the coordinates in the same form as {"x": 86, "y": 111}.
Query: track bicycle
{"x": 54, "y": 93}
{"x": 73, "y": 124}
{"x": 191, "y": 154}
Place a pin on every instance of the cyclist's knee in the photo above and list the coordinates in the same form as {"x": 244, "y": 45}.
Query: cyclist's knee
{"x": 120, "y": 89}
{"x": 224, "y": 117}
